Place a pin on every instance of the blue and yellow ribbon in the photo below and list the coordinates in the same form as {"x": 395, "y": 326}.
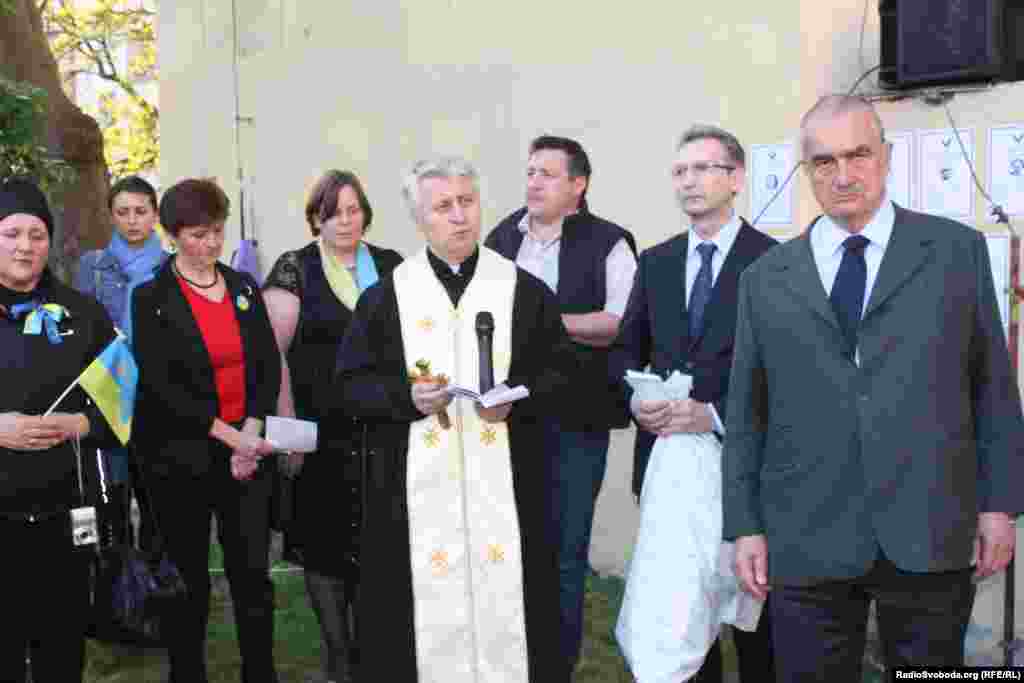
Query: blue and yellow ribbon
{"x": 41, "y": 317}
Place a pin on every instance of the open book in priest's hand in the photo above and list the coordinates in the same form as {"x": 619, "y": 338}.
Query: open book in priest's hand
{"x": 497, "y": 396}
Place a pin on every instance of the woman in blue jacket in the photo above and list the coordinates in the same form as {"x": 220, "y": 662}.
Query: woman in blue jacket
{"x": 134, "y": 254}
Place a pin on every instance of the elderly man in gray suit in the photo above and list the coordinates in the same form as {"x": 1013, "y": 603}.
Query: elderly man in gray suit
{"x": 874, "y": 428}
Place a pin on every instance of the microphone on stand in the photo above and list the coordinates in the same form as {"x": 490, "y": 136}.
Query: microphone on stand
{"x": 484, "y": 336}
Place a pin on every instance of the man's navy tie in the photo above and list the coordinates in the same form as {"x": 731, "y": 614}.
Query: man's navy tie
{"x": 848, "y": 290}
{"x": 700, "y": 295}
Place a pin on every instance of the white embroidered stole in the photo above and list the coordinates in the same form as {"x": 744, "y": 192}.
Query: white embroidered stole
{"x": 465, "y": 547}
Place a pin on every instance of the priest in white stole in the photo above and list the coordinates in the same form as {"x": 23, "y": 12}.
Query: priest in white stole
{"x": 459, "y": 576}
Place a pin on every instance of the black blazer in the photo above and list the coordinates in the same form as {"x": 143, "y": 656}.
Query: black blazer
{"x": 655, "y": 327}
{"x": 177, "y": 400}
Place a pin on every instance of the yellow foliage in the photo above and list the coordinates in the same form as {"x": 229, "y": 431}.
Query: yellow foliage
{"x": 114, "y": 40}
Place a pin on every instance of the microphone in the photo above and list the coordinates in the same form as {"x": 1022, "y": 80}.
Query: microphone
{"x": 484, "y": 336}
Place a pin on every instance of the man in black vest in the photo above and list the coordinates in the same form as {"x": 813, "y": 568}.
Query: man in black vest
{"x": 682, "y": 316}
{"x": 589, "y": 263}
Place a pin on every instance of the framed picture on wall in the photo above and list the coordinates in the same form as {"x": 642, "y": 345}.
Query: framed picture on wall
{"x": 770, "y": 166}
{"x": 945, "y": 182}
{"x": 900, "y": 187}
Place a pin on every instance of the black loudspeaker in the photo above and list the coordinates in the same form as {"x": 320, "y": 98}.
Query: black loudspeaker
{"x": 939, "y": 42}
{"x": 1013, "y": 43}
{"x": 889, "y": 40}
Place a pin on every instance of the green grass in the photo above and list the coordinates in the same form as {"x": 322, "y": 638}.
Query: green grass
{"x": 296, "y": 649}
{"x": 297, "y": 641}
{"x": 600, "y": 661}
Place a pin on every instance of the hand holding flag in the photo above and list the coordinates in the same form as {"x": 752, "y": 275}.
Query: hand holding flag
{"x": 110, "y": 380}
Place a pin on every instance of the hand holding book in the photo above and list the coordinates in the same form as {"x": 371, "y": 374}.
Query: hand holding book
{"x": 497, "y": 396}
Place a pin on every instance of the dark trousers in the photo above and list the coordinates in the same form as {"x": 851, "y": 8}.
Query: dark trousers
{"x": 753, "y": 650}
{"x": 819, "y": 631}
{"x": 332, "y": 601}
{"x": 579, "y": 460}
{"x": 143, "y": 536}
{"x": 44, "y": 593}
{"x": 184, "y": 508}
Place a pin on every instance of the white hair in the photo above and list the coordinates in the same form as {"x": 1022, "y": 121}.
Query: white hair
{"x": 435, "y": 167}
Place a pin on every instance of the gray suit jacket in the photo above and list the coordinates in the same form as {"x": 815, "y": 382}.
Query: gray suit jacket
{"x": 832, "y": 460}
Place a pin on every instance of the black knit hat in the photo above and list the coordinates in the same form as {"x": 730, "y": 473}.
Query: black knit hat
{"x": 23, "y": 196}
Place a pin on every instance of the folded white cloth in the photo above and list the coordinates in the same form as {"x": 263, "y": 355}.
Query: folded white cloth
{"x": 681, "y": 586}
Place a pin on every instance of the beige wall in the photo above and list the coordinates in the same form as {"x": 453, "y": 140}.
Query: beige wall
{"x": 371, "y": 86}
{"x": 355, "y": 86}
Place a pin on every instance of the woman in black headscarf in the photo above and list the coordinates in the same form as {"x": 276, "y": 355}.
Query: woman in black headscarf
{"x": 49, "y": 334}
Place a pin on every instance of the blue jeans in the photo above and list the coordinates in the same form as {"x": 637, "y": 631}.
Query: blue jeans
{"x": 579, "y": 466}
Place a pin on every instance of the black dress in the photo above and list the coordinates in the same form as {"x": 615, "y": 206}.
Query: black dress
{"x": 323, "y": 536}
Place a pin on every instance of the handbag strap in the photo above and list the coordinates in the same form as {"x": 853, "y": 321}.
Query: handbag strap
{"x": 76, "y": 446}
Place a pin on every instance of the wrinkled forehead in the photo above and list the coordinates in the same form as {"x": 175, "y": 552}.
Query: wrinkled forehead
{"x": 834, "y": 134}
{"x": 436, "y": 188}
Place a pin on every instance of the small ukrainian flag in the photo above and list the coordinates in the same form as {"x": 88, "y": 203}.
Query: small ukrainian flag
{"x": 111, "y": 381}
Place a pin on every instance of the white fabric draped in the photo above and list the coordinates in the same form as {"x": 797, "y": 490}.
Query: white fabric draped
{"x": 681, "y": 586}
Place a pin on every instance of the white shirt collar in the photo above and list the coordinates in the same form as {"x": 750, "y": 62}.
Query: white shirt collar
{"x": 830, "y": 235}
{"x": 524, "y": 226}
{"x": 723, "y": 240}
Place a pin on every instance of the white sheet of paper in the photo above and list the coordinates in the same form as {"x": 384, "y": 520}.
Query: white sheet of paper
{"x": 947, "y": 188}
{"x": 769, "y": 167}
{"x": 289, "y": 434}
{"x": 1006, "y": 168}
{"x": 900, "y": 184}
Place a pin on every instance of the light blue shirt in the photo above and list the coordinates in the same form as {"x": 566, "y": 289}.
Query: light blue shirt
{"x": 723, "y": 242}
{"x": 827, "y": 238}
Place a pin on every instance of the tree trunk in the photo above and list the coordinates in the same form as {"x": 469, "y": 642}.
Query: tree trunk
{"x": 83, "y": 220}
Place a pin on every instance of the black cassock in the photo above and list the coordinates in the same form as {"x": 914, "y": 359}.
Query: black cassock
{"x": 372, "y": 383}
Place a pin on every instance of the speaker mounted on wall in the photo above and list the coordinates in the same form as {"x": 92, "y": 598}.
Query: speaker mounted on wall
{"x": 944, "y": 42}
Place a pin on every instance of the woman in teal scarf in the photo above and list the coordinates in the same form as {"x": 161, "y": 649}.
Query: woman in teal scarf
{"x": 134, "y": 254}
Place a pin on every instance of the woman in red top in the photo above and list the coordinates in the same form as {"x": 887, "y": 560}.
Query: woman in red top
{"x": 209, "y": 374}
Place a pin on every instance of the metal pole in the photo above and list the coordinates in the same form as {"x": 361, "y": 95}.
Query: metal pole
{"x": 1010, "y": 644}
{"x": 238, "y": 116}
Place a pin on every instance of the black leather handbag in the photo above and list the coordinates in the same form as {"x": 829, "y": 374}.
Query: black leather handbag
{"x": 134, "y": 594}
